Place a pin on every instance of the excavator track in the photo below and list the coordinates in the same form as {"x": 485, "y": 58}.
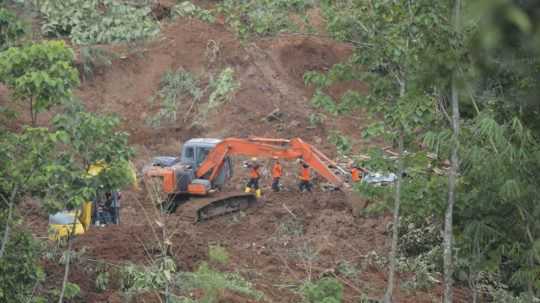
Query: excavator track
{"x": 205, "y": 208}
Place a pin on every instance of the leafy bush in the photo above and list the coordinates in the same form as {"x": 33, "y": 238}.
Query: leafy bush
{"x": 175, "y": 87}
{"x": 326, "y": 290}
{"x": 343, "y": 143}
{"x": 263, "y": 18}
{"x": 93, "y": 58}
{"x": 10, "y": 29}
{"x": 188, "y": 9}
{"x": 97, "y": 21}
{"x": 347, "y": 269}
{"x": 102, "y": 281}
{"x": 416, "y": 239}
{"x": 217, "y": 253}
{"x": 214, "y": 282}
{"x": 222, "y": 88}
{"x": 19, "y": 269}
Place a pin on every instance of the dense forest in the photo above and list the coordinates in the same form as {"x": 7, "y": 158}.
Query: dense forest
{"x": 442, "y": 94}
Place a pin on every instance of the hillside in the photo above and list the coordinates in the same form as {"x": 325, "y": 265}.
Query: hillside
{"x": 270, "y": 72}
{"x": 440, "y": 97}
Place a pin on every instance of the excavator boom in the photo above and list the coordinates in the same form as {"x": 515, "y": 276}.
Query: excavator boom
{"x": 262, "y": 147}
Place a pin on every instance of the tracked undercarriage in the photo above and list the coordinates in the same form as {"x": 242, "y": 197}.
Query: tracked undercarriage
{"x": 199, "y": 209}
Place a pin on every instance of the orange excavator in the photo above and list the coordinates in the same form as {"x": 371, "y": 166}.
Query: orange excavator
{"x": 205, "y": 165}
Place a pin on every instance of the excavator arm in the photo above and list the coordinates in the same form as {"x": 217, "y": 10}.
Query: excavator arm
{"x": 264, "y": 147}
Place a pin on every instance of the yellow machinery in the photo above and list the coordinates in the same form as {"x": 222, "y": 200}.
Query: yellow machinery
{"x": 62, "y": 223}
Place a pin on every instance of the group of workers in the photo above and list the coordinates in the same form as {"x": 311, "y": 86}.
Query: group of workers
{"x": 304, "y": 176}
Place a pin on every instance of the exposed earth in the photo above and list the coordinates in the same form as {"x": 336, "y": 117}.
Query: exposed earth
{"x": 270, "y": 72}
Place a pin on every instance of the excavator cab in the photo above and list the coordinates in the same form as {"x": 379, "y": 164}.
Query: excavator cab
{"x": 195, "y": 151}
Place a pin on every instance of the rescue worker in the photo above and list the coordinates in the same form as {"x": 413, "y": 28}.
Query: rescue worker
{"x": 276, "y": 174}
{"x": 254, "y": 176}
{"x": 305, "y": 178}
{"x": 356, "y": 172}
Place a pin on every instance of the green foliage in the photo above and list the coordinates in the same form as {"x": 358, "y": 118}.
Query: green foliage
{"x": 316, "y": 119}
{"x": 325, "y": 290}
{"x": 71, "y": 291}
{"x": 94, "y": 58}
{"x": 19, "y": 267}
{"x": 175, "y": 89}
{"x": 40, "y": 74}
{"x": 11, "y": 29}
{"x": 214, "y": 282}
{"x": 263, "y": 18}
{"x": 348, "y": 270}
{"x": 188, "y": 9}
{"x": 81, "y": 139}
{"x": 24, "y": 160}
{"x": 97, "y": 21}
{"x": 343, "y": 144}
{"x": 102, "y": 281}
{"x": 222, "y": 88}
{"x": 136, "y": 279}
{"x": 217, "y": 253}
{"x": 325, "y": 102}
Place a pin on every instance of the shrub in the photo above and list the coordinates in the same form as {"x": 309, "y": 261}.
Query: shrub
{"x": 188, "y": 9}
{"x": 217, "y": 253}
{"x": 222, "y": 88}
{"x": 263, "y": 18}
{"x": 93, "y": 58}
{"x": 214, "y": 282}
{"x": 326, "y": 290}
{"x": 175, "y": 87}
{"x": 97, "y": 21}
{"x": 19, "y": 269}
{"x": 10, "y": 29}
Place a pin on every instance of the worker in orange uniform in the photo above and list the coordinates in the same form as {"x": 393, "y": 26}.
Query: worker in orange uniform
{"x": 254, "y": 176}
{"x": 276, "y": 174}
{"x": 305, "y": 178}
{"x": 356, "y": 172}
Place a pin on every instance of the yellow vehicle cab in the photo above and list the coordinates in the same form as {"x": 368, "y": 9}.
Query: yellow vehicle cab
{"x": 62, "y": 223}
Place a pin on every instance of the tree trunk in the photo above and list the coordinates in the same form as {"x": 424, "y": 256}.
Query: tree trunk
{"x": 395, "y": 227}
{"x": 32, "y": 115}
{"x": 397, "y": 203}
{"x": 68, "y": 259}
{"x": 452, "y": 176}
{"x": 448, "y": 217}
{"x": 7, "y": 230}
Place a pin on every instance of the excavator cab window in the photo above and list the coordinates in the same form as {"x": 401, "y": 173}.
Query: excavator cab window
{"x": 202, "y": 152}
{"x": 189, "y": 153}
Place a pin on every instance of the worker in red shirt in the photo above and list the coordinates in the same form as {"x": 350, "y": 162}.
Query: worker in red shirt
{"x": 305, "y": 178}
{"x": 254, "y": 176}
{"x": 276, "y": 174}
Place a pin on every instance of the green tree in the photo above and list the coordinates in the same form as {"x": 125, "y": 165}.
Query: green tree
{"x": 41, "y": 75}
{"x": 19, "y": 267}
{"x": 24, "y": 158}
{"x": 397, "y": 41}
{"x": 11, "y": 29}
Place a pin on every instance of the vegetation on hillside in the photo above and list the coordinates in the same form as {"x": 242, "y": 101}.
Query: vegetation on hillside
{"x": 453, "y": 88}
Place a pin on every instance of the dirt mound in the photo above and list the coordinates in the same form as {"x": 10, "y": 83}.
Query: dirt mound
{"x": 309, "y": 54}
